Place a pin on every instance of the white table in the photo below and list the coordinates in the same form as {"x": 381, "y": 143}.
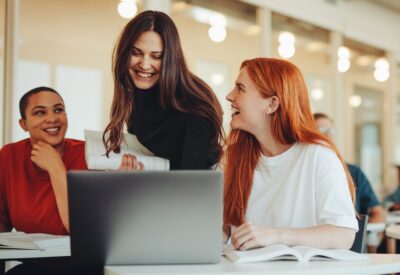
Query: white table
{"x": 393, "y": 233}
{"x": 379, "y": 264}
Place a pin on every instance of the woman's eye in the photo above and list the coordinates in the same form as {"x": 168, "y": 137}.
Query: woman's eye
{"x": 59, "y": 110}
{"x": 136, "y": 53}
{"x": 158, "y": 57}
{"x": 38, "y": 113}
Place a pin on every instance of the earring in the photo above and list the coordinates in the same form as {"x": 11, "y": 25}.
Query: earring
{"x": 266, "y": 114}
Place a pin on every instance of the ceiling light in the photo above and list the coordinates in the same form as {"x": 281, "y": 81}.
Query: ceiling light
{"x": 217, "y": 33}
{"x": 286, "y": 38}
{"x": 355, "y": 101}
{"x": 317, "y": 94}
{"x": 127, "y": 8}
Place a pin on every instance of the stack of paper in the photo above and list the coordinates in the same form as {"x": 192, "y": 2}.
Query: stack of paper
{"x": 96, "y": 153}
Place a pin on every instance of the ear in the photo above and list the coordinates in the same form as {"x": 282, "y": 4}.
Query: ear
{"x": 273, "y": 105}
{"x": 22, "y": 123}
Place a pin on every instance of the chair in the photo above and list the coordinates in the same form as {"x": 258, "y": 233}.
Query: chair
{"x": 360, "y": 240}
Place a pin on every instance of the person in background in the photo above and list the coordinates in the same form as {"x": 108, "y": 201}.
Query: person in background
{"x": 284, "y": 181}
{"x": 33, "y": 178}
{"x": 367, "y": 202}
{"x": 393, "y": 200}
{"x": 172, "y": 112}
{"x": 33, "y": 171}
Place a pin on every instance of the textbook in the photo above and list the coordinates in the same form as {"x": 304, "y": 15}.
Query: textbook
{"x": 39, "y": 241}
{"x": 96, "y": 153}
{"x": 284, "y": 252}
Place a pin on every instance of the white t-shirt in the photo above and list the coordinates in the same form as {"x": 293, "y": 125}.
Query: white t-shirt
{"x": 302, "y": 187}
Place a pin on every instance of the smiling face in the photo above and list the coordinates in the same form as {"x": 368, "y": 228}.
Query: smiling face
{"x": 145, "y": 63}
{"x": 249, "y": 108}
{"x": 46, "y": 119}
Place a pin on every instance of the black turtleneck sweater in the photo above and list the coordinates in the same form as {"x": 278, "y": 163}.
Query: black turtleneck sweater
{"x": 182, "y": 138}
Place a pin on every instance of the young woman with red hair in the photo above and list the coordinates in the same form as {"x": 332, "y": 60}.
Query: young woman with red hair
{"x": 284, "y": 181}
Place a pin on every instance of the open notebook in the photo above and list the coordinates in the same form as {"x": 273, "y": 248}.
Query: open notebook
{"x": 39, "y": 241}
{"x": 96, "y": 158}
{"x": 299, "y": 253}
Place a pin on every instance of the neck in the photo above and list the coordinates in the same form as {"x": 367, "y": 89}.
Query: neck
{"x": 270, "y": 147}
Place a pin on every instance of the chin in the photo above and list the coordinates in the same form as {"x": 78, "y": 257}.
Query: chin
{"x": 144, "y": 85}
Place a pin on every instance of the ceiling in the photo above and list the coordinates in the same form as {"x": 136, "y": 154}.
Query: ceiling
{"x": 393, "y": 5}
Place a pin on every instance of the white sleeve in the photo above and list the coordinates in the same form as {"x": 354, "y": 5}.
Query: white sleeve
{"x": 334, "y": 204}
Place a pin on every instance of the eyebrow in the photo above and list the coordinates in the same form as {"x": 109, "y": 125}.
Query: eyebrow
{"x": 136, "y": 48}
{"x": 240, "y": 84}
{"x": 44, "y": 107}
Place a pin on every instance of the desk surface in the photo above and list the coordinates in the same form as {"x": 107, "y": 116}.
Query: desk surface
{"x": 393, "y": 231}
{"x": 379, "y": 264}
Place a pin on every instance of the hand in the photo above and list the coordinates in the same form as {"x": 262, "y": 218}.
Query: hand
{"x": 46, "y": 157}
{"x": 129, "y": 163}
{"x": 249, "y": 236}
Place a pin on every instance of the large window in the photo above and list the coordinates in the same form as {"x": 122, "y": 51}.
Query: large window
{"x": 217, "y": 63}
{"x": 68, "y": 45}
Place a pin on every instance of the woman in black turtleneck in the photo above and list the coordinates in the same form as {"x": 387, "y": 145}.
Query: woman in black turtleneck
{"x": 172, "y": 112}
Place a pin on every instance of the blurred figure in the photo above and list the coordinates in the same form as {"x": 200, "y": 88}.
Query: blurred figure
{"x": 366, "y": 201}
{"x": 393, "y": 200}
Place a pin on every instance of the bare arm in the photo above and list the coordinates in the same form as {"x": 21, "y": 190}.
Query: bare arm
{"x": 321, "y": 236}
{"x": 47, "y": 158}
{"x": 377, "y": 214}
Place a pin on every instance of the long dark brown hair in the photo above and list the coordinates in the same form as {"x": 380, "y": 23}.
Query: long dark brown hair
{"x": 195, "y": 96}
{"x": 292, "y": 122}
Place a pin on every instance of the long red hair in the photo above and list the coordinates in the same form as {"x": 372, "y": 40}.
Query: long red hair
{"x": 291, "y": 122}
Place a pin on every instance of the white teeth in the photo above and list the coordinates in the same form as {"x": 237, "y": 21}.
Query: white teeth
{"x": 146, "y": 75}
{"x": 235, "y": 111}
{"x": 55, "y": 129}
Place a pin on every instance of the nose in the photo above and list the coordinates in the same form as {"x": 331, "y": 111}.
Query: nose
{"x": 229, "y": 96}
{"x": 145, "y": 63}
{"x": 52, "y": 117}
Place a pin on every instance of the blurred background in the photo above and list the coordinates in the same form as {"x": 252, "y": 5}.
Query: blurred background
{"x": 348, "y": 51}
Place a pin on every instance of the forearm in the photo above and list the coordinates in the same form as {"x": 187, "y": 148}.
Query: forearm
{"x": 321, "y": 236}
{"x": 377, "y": 215}
{"x": 58, "y": 179}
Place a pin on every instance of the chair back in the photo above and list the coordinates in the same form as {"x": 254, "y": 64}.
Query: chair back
{"x": 360, "y": 240}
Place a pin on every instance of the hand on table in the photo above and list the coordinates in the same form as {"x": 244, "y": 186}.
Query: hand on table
{"x": 248, "y": 236}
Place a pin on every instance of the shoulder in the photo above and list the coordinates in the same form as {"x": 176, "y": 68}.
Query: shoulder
{"x": 74, "y": 155}
{"x": 354, "y": 169}
{"x": 324, "y": 159}
{"x": 15, "y": 147}
{"x": 197, "y": 122}
{"x": 319, "y": 151}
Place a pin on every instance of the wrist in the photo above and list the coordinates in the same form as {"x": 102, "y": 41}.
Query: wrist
{"x": 57, "y": 170}
{"x": 283, "y": 236}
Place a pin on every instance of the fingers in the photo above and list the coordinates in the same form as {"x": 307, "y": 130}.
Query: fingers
{"x": 240, "y": 243}
{"x": 130, "y": 163}
{"x": 141, "y": 166}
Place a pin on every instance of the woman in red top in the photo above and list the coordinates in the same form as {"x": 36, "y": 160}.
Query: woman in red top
{"x": 33, "y": 183}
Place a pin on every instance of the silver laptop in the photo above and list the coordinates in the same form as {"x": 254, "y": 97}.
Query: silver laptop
{"x": 125, "y": 218}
